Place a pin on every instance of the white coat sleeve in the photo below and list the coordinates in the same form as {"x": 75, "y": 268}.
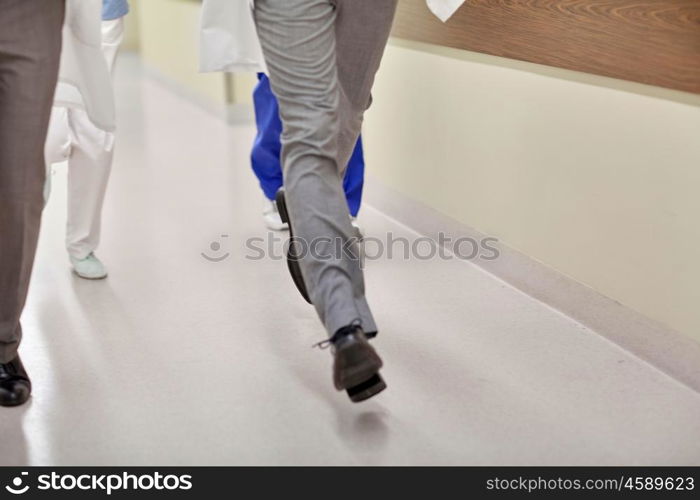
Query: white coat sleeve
{"x": 84, "y": 80}
{"x": 228, "y": 39}
{"x": 444, "y": 9}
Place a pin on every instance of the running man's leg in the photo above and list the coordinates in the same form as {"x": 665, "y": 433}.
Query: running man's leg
{"x": 321, "y": 104}
{"x": 265, "y": 156}
{"x": 298, "y": 39}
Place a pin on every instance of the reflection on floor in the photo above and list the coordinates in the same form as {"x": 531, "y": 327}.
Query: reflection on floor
{"x": 175, "y": 359}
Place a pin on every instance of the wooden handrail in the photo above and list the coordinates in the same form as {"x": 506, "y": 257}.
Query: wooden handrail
{"x": 656, "y": 42}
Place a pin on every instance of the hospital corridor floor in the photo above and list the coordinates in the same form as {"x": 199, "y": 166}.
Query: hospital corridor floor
{"x": 195, "y": 350}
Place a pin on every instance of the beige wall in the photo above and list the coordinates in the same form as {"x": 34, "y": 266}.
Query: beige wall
{"x": 168, "y": 38}
{"x": 597, "y": 178}
{"x": 131, "y": 30}
{"x": 242, "y": 85}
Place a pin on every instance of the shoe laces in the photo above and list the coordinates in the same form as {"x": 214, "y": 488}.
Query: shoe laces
{"x": 342, "y": 332}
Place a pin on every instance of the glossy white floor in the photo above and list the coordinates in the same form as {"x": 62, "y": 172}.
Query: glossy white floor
{"x": 175, "y": 359}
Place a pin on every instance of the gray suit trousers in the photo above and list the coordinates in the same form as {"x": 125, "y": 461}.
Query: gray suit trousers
{"x": 322, "y": 56}
{"x": 30, "y": 48}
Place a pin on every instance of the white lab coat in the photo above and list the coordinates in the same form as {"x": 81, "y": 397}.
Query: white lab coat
{"x": 82, "y": 123}
{"x": 228, "y": 38}
{"x": 229, "y": 41}
{"x": 84, "y": 80}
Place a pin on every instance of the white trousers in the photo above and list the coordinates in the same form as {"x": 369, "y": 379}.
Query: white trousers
{"x": 72, "y": 137}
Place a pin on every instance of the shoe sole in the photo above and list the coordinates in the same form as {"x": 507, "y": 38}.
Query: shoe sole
{"x": 367, "y": 389}
{"x": 355, "y": 364}
{"x": 93, "y": 278}
{"x": 292, "y": 261}
{"x": 277, "y": 229}
{"x": 14, "y": 404}
{"x": 6, "y": 403}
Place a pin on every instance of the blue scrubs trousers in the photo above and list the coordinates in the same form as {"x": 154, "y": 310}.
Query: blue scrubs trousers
{"x": 265, "y": 157}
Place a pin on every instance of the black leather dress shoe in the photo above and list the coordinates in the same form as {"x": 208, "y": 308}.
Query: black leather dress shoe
{"x": 15, "y": 386}
{"x": 356, "y": 364}
{"x": 292, "y": 256}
